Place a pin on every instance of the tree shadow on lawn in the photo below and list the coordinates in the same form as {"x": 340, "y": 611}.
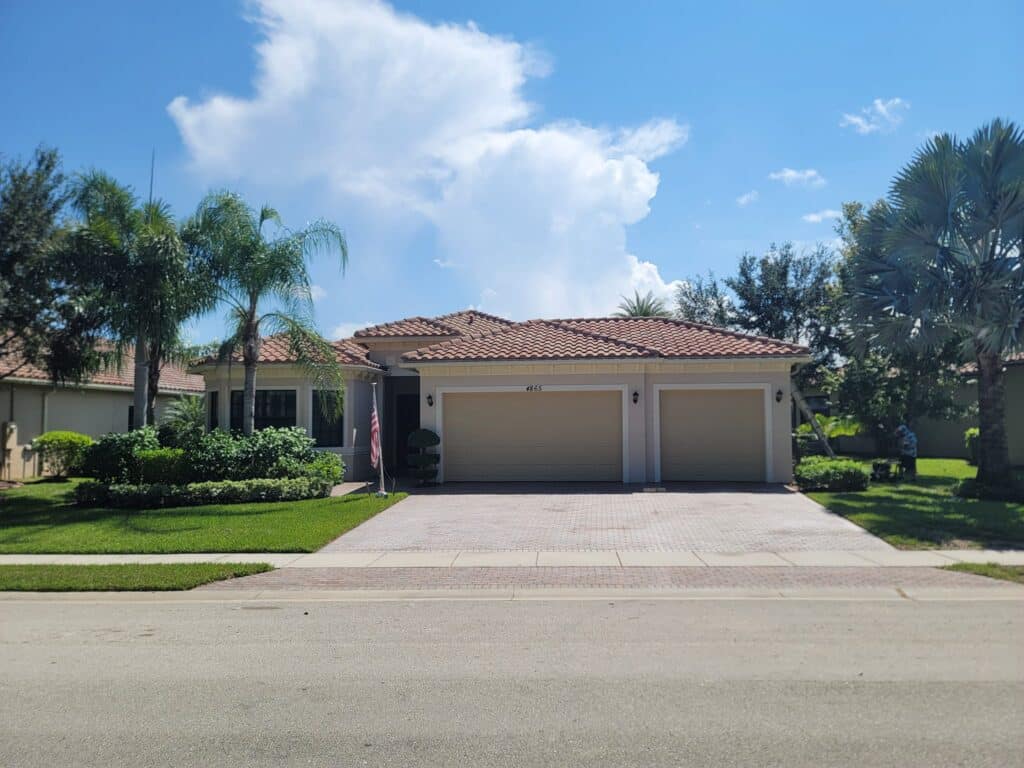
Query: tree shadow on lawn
{"x": 905, "y": 514}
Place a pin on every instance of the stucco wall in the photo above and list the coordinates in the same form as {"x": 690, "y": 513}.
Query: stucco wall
{"x": 38, "y": 409}
{"x": 633, "y": 377}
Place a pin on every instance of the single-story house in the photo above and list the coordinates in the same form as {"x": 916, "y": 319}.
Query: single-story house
{"x": 30, "y": 404}
{"x": 635, "y": 400}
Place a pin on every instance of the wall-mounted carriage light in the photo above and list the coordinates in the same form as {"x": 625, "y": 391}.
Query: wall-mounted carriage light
{"x": 779, "y": 395}
{"x": 636, "y": 397}
{"x": 430, "y": 401}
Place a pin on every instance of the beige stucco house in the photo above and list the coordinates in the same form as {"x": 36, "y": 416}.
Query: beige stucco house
{"x": 634, "y": 400}
{"x": 30, "y": 404}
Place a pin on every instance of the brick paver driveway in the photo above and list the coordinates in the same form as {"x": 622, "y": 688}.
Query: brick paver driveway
{"x": 601, "y": 517}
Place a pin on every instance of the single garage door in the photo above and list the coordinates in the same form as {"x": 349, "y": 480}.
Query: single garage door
{"x": 712, "y": 434}
{"x": 532, "y": 436}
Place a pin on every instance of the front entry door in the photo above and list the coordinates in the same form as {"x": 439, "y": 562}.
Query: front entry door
{"x": 407, "y": 420}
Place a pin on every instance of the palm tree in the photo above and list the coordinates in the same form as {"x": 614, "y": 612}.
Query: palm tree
{"x": 142, "y": 263}
{"x": 941, "y": 261}
{"x": 253, "y": 270}
{"x": 642, "y": 306}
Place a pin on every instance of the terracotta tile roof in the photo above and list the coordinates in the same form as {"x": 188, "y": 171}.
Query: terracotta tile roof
{"x": 1014, "y": 358}
{"x": 275, "y": 349}
{"x": 597, "y": 338}
{"x": 464, "y": 323}
{"x": 532, "y": 340}
{"x": 172, "y": 378}
{"x": 679, "y": 338}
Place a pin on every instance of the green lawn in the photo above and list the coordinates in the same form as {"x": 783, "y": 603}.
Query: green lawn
{"x": 120, "y": 578}
{"x": 992, "y": 570}
{"x": 39, "y": 518}
{"x": 925, "y": 514}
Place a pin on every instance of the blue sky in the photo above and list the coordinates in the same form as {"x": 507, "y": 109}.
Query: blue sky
{"x": 528, "y": 158}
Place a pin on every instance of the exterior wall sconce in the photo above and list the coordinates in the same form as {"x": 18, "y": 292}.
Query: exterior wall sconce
{"x": 779, "y": 395}
{"x": 430, "y": 401}
{"x": 636, "y": 397}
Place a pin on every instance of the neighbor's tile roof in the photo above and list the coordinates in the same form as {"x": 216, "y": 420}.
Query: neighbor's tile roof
{"x": 467, "y": 322}
{"x": 1014, "y": 358}
{"x": 275, "y": 349}
{"x": 172, "y": 378}
{"x": 597, "y": 338}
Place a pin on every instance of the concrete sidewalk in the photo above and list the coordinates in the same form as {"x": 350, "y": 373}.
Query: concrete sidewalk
{"x": 570, "y": 559}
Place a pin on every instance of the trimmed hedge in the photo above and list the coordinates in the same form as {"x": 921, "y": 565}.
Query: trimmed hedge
{"x": 163, "y": 465}
{"x": 819, "y": 473}
{"x": 114, "y": 458}
{"x": 62, "y": 452}
{"x": 152, "y": 495}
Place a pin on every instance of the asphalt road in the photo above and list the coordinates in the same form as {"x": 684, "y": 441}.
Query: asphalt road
{"x": 473, "y": 683}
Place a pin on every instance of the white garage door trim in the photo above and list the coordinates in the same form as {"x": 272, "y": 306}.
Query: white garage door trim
{"x": 768, "y": 431}
{"x": 440, "y": 392}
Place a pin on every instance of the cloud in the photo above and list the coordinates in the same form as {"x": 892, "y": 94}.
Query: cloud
{"x": 430, "y": 120}
{"x": 806, "y": 178}
{"x": 444, "y": 263}
{"x": 820, "y": 216}
{"x": 747, "y": 198}
{"x": 317, "y": 292}
{"x": 345, "y": 330}
{"x": 882, "y": 116}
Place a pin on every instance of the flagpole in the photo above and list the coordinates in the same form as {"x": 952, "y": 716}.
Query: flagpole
{"x": 380, "y": 443}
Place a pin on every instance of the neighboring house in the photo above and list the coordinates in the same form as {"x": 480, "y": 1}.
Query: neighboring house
{"x": 30, "y": 404}
{"x": 615, "y": 399}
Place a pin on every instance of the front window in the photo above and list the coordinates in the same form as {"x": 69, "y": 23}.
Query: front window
{"x": 328, "y": 428}
{"x": 274, "y": 408}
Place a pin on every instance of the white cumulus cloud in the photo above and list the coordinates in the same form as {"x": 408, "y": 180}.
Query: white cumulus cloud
{"x": 883, "y": 115}
{"x": 345, "y": 330}
{"x": 819, "y": 216}
{"x": 808, "y": 177}
{"x": 431, "y": 120}
{"x": 747, "y": 198}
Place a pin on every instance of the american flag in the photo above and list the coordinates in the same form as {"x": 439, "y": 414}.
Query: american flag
{"x": 374, "y": 434}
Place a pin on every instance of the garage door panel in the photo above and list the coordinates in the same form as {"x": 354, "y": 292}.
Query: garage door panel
{"x": 712, "y": 434}
{"x": 494, "y": 436}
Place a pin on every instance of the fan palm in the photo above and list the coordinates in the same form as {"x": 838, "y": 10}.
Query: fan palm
{"x": 642, "y": 306}
{"x": 254, "y": 270}
{"x": 941, "y": 260}
{"x": 142, "y": 262}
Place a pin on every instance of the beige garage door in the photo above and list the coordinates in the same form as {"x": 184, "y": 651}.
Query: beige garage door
{"x": 712, "y": 434}
{"x": 532, "y": 436}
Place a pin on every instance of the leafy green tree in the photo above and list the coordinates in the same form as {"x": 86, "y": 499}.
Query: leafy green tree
{"x": 137, "y": 252}
{"x": 647, "y": 305}
{"x": 184, "y": 423}
{"x": 784, "y": 294}
{"x": 52, "y": 313}
{"x": 703, "y": 300}
{"x": 942, "y": 261}
{"x": 264, "y": 282}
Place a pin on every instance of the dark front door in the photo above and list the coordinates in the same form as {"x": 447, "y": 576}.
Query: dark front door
{"x": 407, "y": 420}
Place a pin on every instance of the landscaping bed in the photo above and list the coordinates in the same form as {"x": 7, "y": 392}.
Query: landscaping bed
{"x": 925, "y": 514}
{"x": 120, "y": 578}
{"x": 41, "y": 517}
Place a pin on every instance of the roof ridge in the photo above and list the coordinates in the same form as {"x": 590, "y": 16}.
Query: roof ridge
{"x": 504, "y": 320}
{"x": 418, "y": 318}
{"x": 468, "y": 337}
{"x": 690, "y": 324}
{"x": 602, "y": 337}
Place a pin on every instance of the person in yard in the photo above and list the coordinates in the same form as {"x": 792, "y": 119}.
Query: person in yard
{"x": 906, "y": 441}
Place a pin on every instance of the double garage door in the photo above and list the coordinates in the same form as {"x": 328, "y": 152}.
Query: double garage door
{"x": 704, "y": 434}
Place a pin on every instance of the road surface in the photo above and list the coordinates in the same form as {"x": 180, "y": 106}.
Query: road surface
{"x": 497, "y": 683}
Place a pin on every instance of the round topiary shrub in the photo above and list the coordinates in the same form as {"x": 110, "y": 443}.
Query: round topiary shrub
{"x": 62, "y": 453}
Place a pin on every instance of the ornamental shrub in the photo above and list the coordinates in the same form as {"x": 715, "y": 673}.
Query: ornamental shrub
{"x": 819, "y": 473}
{"x": 163, "y": 465}
{"x": 213, "y": 457}
{"x": 261, "y": 451}
{"x": 150, "y": 496}
{"x": 113, "y": 458}
{"x": 62, "y": 452}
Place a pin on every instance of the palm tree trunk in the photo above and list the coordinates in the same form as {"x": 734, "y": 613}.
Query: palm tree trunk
{"x": 993, "y": 451}
{"x": 250, "y": 356}
{"x": 154, "y": 385}
{"x": 141, "y": 380}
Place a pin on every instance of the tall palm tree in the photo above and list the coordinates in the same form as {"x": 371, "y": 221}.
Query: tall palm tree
{"x": 642, "y": 306}
{"x": 941, "y": 260}
{"x": 142, "y": 262}
{"x": 255, "y": 270}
